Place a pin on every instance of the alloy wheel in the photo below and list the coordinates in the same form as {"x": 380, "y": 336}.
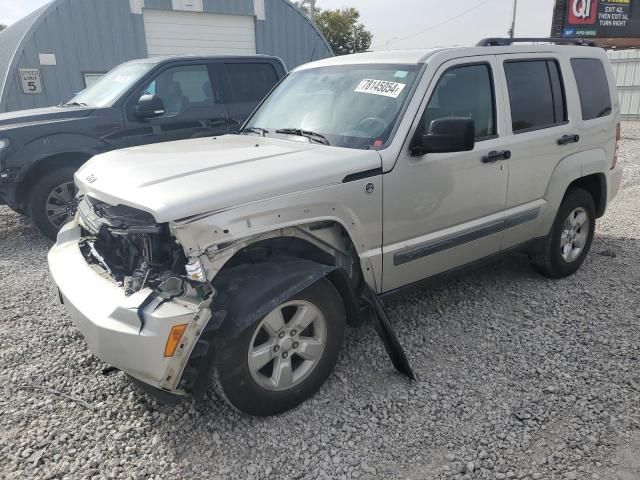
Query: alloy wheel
{"x": 61, "y": 204}
{"x": 574, "y": 235}
{"x": 287, "y": 345}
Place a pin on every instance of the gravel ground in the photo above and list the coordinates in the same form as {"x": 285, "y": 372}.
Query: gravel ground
{"x": 520, "y": 377}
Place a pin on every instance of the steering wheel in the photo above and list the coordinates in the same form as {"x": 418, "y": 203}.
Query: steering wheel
{"x": 366, "y": 126}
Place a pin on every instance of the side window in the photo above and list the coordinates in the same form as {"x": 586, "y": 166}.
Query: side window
{"x": 250, "y": 82}
{"x": 536, "y": 94}
{"x": 182, "y": 88}
{"x": 593, "y": 87}
{"x": 465, "y": 91}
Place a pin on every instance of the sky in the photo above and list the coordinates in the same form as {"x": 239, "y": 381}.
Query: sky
{"x": 400, "y": 24}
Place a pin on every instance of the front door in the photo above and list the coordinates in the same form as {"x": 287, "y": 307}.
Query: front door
{"x": 193, "y": 102}
{"x": 443, "y": 210}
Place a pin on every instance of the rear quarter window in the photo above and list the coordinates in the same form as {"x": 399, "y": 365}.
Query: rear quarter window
{"x": 593, "y": 87}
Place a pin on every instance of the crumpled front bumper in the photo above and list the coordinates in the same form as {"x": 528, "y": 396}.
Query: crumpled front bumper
{"x": 110, "y": 322}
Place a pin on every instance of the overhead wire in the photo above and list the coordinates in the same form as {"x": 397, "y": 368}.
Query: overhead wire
{"x": 444, "y": 22}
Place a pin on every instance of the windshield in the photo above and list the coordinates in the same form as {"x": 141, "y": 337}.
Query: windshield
{"x": 109, "y": 88}
{"x": 353, "y": 106}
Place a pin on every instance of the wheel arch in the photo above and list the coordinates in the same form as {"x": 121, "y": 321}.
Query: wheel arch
{"x": 596, "y": 185}
{"x": 34, "y": 171}
{"x": 246, "y": 292}
{"x": 340, "y": 263}
{"x": 584, "y": 170}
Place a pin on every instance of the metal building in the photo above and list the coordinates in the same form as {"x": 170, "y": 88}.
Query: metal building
{"x": 58, "y": 50}
{"x": 626, "y": 67}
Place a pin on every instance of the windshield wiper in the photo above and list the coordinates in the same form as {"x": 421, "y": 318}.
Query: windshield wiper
{"x": 262, "y": 131}
{"x": 305, "y": 133}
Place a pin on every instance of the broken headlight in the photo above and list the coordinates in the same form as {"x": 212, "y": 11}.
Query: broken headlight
{"x": 195, "y": 270}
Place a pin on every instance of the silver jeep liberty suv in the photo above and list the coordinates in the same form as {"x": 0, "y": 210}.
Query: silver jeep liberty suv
{"x": 238, "y": 261}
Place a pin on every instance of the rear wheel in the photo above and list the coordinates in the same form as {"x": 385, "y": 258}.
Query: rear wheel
{"x": 571, "y": 235}
{"x": 52, "y": 201}
{"x": 285, "y": 357}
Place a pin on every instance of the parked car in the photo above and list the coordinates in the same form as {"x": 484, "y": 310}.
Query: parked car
{"x": 239, "y": 260}
{"x": 140, "y": 102}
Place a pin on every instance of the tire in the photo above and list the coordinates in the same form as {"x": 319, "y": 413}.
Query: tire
{"x": 556, "y": 261}
{"x": 47, "y": 215}
{"x": 263, "y": 392}
{"x": 17, "y": 210}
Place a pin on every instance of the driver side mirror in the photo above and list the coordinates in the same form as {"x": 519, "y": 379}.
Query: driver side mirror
{"x": 149, "y": 106}
{"x": 445, "y": 135}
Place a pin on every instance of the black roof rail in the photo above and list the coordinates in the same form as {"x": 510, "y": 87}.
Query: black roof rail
{"x": 503, "y": 42}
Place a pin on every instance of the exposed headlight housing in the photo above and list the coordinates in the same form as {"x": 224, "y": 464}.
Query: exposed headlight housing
{"x": 195, "y": 270}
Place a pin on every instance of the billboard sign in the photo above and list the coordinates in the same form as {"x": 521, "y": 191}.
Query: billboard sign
{"x": 602, "y": 19}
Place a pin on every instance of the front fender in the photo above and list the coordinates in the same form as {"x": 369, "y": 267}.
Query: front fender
{"x": 347, "y": 204}
{"x": 45, "y": 147}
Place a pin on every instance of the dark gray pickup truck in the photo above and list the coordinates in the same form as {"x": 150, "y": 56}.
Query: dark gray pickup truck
{"x": 137, "y": 103}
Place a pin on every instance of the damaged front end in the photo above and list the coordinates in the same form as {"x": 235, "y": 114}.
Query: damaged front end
{"x": 149, "y": 315}
{"x": 133, "y": 249}
{"x": 170, "y": 304}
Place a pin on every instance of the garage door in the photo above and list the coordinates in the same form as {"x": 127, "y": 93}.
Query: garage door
{"x": 191, "y": 33}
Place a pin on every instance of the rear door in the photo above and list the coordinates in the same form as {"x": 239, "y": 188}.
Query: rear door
{"x": 246, "y": 83}
{"x": 193, "y": 100}
{"x": 541, "y": 132}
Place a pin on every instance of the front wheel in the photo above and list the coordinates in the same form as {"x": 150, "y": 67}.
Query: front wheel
{"x": 285, "y": 357}
{"x": 570, "y": 238}
{"x": 52, "y": 201}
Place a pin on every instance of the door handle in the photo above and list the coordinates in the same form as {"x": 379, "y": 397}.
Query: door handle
{"x": 567, "y": 139}
{"x": 496, "y": 155}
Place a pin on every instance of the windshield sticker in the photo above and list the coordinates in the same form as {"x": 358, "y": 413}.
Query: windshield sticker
{"x": 401, "y": 74}
{"x": 380, "y": 87}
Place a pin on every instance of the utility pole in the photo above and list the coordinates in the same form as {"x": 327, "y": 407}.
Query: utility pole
{"x": 512, "y": 30}
{"x": 312, "y": 4}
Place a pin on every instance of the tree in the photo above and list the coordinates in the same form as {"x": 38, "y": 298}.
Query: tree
{"x": 344, "y": 32}
{"x": 305, "y": 6}
{"x": 341, "y": 27}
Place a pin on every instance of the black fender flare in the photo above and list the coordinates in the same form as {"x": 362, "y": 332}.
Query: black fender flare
{"x": 249, "y": 291}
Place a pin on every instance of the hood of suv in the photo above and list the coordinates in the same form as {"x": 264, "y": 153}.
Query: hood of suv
{"x": 40, "y": 115}
{"x": 178, "y": 179}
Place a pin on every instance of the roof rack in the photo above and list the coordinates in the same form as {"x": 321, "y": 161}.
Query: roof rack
{"x": 503, "y": 42}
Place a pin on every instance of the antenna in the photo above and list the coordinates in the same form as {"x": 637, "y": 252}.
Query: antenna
{"x": 512, "y": 30}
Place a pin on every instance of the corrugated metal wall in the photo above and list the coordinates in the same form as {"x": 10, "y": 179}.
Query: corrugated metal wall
{"x": 89, "y": 36}
{"x": 287, "y": 31}
{"x": 85, "y": 36}
{"x": 626, "y": 67}
{"x": 10, "y": 40}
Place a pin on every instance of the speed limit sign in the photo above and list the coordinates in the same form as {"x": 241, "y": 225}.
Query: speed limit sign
{"x": 31, "y": 81}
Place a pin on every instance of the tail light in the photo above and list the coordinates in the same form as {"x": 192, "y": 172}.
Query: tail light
{"x": 615, "y": 152}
